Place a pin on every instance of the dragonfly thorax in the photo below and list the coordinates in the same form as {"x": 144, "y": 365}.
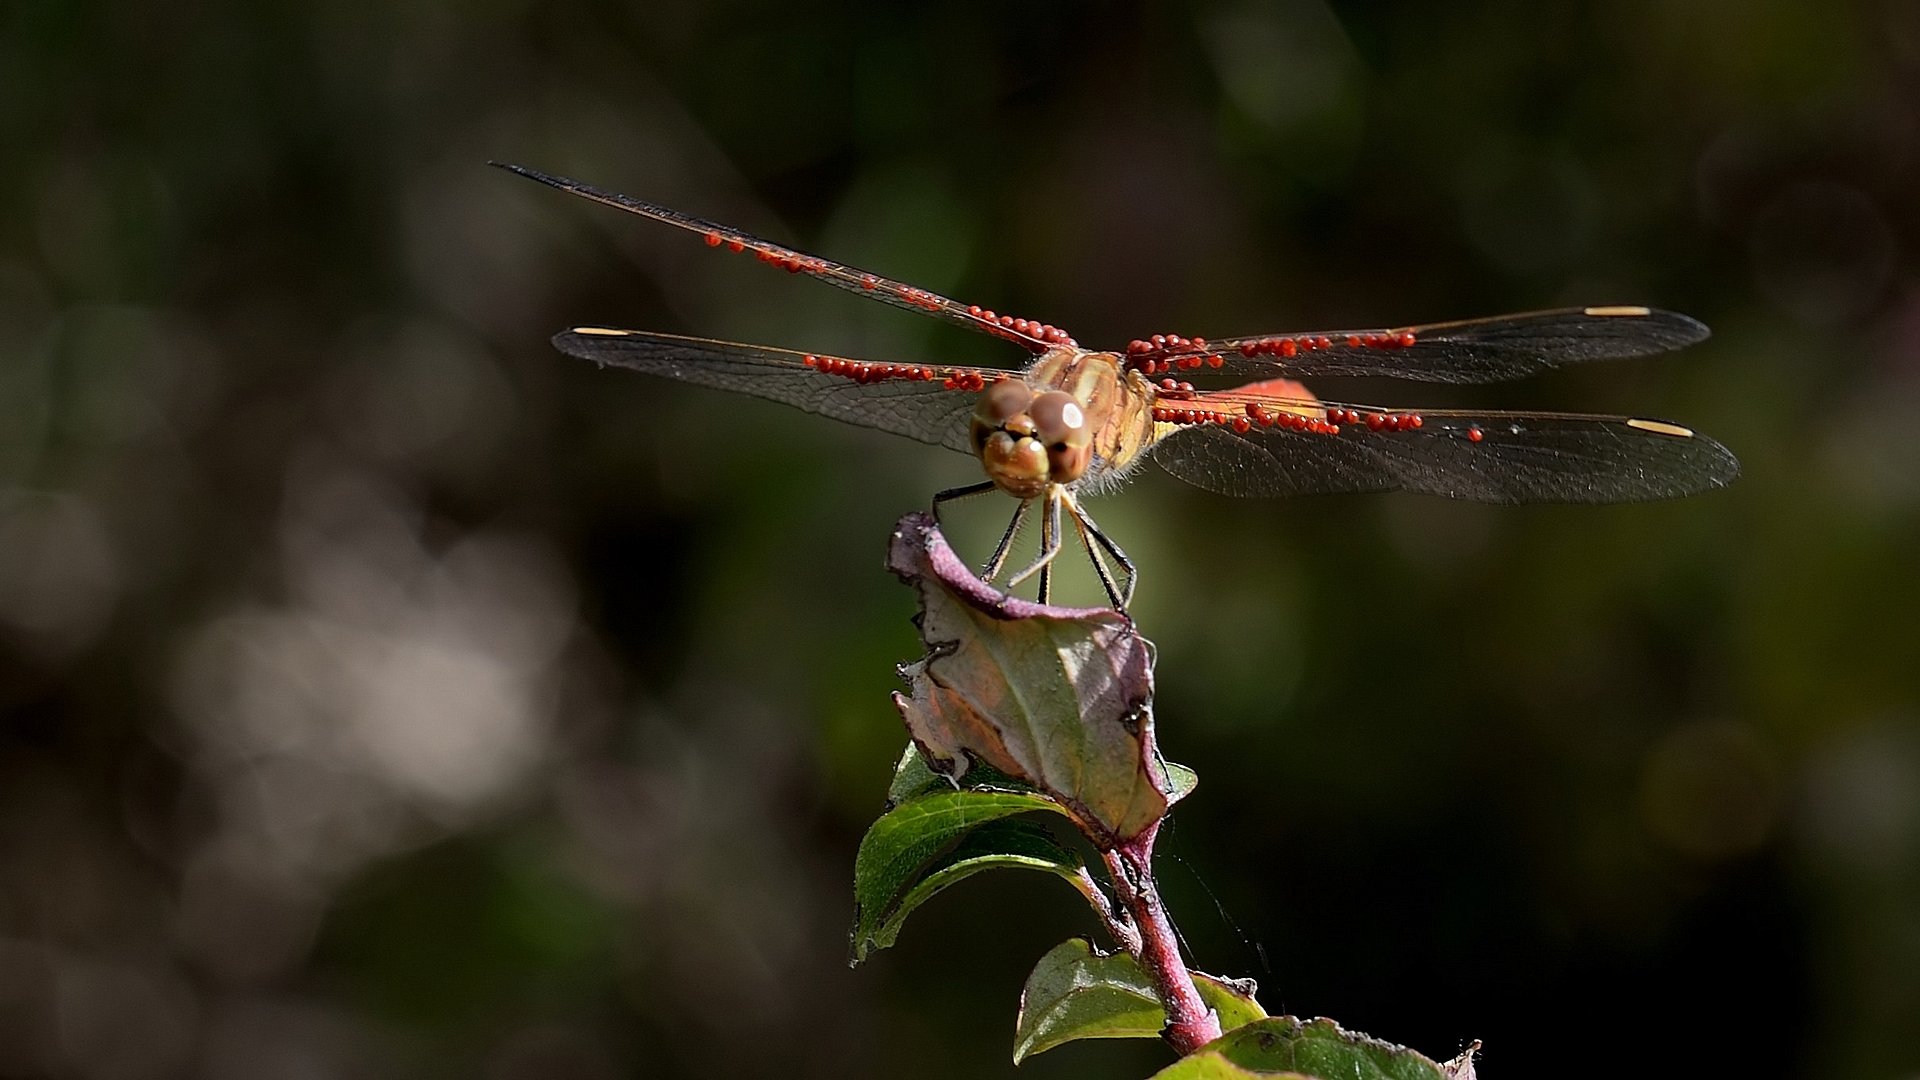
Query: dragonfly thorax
{"x": 1028, "y": 439}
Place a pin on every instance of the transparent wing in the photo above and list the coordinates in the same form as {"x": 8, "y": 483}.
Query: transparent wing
{"x": 1496, "y": 457}
{"x": 931, "y": 404}
{"x": 1469, "y": 351}
{"x": 1034, "y": 335}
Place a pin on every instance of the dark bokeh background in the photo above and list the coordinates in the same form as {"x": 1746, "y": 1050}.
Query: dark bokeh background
{"x": 386, "y": 695}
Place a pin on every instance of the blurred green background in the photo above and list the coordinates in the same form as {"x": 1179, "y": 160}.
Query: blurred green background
{"x": 387, "y": 695}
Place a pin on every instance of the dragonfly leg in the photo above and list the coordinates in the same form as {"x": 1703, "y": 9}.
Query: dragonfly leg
{"x": 1049, "y": 547}
{"x": 999, "y": 559}
{"x": 1100, "y": 567}
{"x": 1088, "y": 529}
{"x": 954, "y": 494}
{"x": 1050, "y": 525}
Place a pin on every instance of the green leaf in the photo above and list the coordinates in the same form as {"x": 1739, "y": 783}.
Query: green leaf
{"x": 928, "y": 843}
{"x": 1075, "y": 992}
{"x": 1013, "y": 845}
{"x": 1058, "y": 698}
{"x": 1180, "y": 781}
{"x": 912, "y": 778}
{"x": 1284, "y": 1046}
{"x": 1232, "y": 1001}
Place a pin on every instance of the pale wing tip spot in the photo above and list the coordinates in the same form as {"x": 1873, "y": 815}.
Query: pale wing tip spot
{"x": 600, "y": 331}
{"x": 1660, "y": 427}
{"x": 1629, "y": 311}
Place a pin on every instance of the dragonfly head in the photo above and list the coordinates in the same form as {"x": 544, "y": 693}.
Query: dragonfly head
{"x": 1027, "y": 441}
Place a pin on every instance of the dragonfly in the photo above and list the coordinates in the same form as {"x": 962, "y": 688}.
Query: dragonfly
{"x": 1079, "y": 421}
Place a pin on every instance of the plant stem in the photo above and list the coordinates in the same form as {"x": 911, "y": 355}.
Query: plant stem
{"x": 1190, "y": 1024}
{"x": 1117, "y": 920}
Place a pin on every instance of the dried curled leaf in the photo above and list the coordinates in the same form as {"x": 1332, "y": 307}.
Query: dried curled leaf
{"x": 1059, "y": 698}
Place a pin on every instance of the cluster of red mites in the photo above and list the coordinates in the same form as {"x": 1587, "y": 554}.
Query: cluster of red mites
{"x": 794, "y": 263}
{"x": 1172, "y": 415}
{"x": 1376, "y": 421}
{"x": 1294, "y": 346}
{"x": 920, "y": 298}
{"x": 1138, "y": 351}
{"x": 1151, "y": 366}
{"x": 1169, "y": 388}
{"x": 1165, "y": 343}
{"x": 791, "y": 263}
{"x": 1292, "y": 421}
{"x": 1386, "y": 421}
{"x": 784, "y": 260}
{"x": 1033, "y": 328}
{"x": 863, "y": 372}
{"x": 1255, "y": 413}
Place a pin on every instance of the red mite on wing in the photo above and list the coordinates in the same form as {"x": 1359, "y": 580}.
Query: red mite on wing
{"x": 1077, "y": 420}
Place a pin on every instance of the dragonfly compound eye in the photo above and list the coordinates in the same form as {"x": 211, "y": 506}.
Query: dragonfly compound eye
{"x": 1061, "y": 424}
{"x": 1003, "y": 406}
{"x": 1004, "y": 400}
{"x": 1058, "y": 419}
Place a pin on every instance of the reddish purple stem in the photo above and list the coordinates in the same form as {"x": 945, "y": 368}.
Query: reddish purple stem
{"x": 1190, "y": 1023}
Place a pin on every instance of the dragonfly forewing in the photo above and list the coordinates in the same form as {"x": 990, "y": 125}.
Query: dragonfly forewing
{"x": 1468, "y": 351}
{"x": 1034, "y": 335}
